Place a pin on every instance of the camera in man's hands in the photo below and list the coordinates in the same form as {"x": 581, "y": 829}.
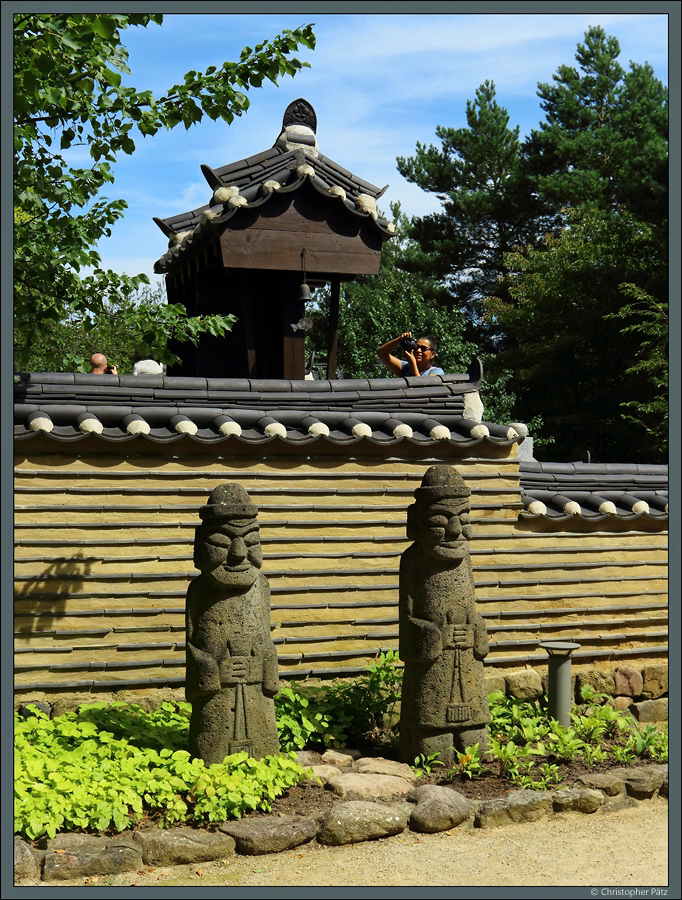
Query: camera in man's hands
{"x": 409, "y": 343}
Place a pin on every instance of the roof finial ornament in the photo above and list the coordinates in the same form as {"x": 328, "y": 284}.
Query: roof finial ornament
{"x": 299, "y": 112}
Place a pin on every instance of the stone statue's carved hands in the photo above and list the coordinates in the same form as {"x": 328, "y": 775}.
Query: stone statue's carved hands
{"x": 461, "y": 637}
{"x": 209, "y": 678}
{"x": 429, "y": 641}
{"x": 234, "y": 669}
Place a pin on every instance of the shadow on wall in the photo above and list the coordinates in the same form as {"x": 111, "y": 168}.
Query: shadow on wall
{"x": 42, "y": 600}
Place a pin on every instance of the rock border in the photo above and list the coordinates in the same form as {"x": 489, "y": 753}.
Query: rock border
{"x": 427, "y": 809}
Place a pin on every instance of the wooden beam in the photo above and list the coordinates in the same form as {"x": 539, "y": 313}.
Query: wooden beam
{"x": 333, "y": 327}
{"x": 246, "y": 316}
{"x": 293, "y": 342}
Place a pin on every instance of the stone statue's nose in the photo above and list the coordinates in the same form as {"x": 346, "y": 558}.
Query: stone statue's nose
{"x": 454, "y": 526}
{"x": 238, "y": 548}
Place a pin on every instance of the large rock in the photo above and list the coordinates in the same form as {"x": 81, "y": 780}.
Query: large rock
{"x": 321, "y": 774}
{"x": 340, "y": 758}
{"x": 651, "y": 710}
{"x": 437, "y": 808}
{"x": 598, "y": 682}
{"x": 305, "y": 758}
{"x": 618, "y": 804}
{"x": 517, "y": 806}
{"x": 270, "y": 834}
{"x": 359, "y": 820}
{"x": 380, "y": 766}
{"x": 663, "y": 769}
{"x": 609, "y": 784}
{"x": 627, "y": 681}
{"x": 25, "y": 864}
{"x": 525, "y": 685}
{"x": 641, "y": 782}
{"x": 32, "y": 706}
{"x": 178, "y": 846}
{"x": 654, "y": 681}
{"x": 584, "y": 800}
{"x": 374, "y": 786}
{"x": 621, "y": 702}
{"x": 77, "y": 855}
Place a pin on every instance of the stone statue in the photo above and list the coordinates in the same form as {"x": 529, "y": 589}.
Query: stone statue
{"x": 231, "y": 661}
{"x": 443, "y": 640}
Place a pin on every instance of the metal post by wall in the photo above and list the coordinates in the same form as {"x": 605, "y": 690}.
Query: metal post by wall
{"x": 559, "y": 679}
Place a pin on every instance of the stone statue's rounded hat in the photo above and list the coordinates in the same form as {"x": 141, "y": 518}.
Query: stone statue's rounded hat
{"x": 441, "y": 483}
{"x": 228, "y": 501}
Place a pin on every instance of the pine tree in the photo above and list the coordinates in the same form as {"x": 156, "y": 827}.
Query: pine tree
{"x": 487, "y": 207}
{"x": 604, "y": 141}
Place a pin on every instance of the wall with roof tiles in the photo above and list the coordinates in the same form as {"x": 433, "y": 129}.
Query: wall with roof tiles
{"x": 104, "y": 556}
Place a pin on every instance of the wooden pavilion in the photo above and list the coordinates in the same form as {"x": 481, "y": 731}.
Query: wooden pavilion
{"x": 278, "y": 223}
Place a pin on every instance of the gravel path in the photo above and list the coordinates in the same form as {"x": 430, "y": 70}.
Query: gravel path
{"x": 625, "y": 849}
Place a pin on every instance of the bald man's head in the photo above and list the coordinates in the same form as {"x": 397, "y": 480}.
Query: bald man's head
{"x": 98, "y": 363}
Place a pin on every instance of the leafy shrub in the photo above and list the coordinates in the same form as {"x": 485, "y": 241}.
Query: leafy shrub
{"x": 103, "y": 768}
{"x": 331, "y": 715}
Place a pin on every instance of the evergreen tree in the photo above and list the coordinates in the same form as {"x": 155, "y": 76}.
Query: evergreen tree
{"x": 575, "y": 364}
{"x": 604, "y": 141}
{"x": 487, "y": 207}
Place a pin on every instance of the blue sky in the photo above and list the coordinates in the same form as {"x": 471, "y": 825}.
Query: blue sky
{"x": 378, "y": 83}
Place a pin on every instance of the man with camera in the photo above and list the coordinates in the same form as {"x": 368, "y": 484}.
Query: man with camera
{"x": 99, "y": 366}
{"x": 421, "y": 355}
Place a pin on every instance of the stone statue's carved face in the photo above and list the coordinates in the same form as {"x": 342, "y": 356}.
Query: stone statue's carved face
{"x": 442, "y": 528}
{"x": 229, "y": 553}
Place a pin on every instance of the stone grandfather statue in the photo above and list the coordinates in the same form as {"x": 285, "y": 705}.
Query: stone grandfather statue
{"x": 443, "y": 640}
{"x": 231, "y": 674}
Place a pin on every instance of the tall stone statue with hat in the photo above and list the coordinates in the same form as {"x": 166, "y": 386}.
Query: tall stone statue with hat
{"x": 231, "y": 674}
{"x": 443, "y": 639}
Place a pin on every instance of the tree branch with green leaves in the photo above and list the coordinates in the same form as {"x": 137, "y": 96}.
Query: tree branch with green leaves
{"x": 69, "y": 91}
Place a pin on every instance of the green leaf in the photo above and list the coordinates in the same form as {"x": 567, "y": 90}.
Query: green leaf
{"x": 112, "y": 78}
{"x": 104, "y": 26}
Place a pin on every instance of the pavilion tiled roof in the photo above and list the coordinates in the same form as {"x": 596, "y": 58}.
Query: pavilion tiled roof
{"x": 593, "y": 491}
{"x": 249, "y": 183}
{"x": 162, "y": 409}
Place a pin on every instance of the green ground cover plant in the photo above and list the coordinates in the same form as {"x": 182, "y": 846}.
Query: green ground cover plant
{"x": 108, "y": 766}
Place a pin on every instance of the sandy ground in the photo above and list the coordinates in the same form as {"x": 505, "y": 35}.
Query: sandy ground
{"x": 625, "y": 849}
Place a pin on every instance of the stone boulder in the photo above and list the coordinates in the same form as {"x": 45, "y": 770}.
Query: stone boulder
{"x": 654, "y": 681}
{"x": 374, "y": 786}
{"x": 618, "y": 804}
{"x": 608, "y": 784}
{"x": 321, "y": 774}
{"x": 621, "y": 702}
{"x": 340, "y": 758}
{"x": 651, "y": 710}
{"x": 437, "y": 808}
{"x": 641, "y": 782}
{"x": 25, "y": 863}
{"x": 270, "y": 834}
{"x": 359, "y": 820}
{"x": 178, "y": 846}
{"x": 627, "y": 681}
{"x": 598, "y": 682}
{"x": 584, "y": 800}
{"x": 78, "y": 855}
{"x": 517, "y": 806}
{"x": 380, "y": 766}
{"x": 526, "y": 685}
